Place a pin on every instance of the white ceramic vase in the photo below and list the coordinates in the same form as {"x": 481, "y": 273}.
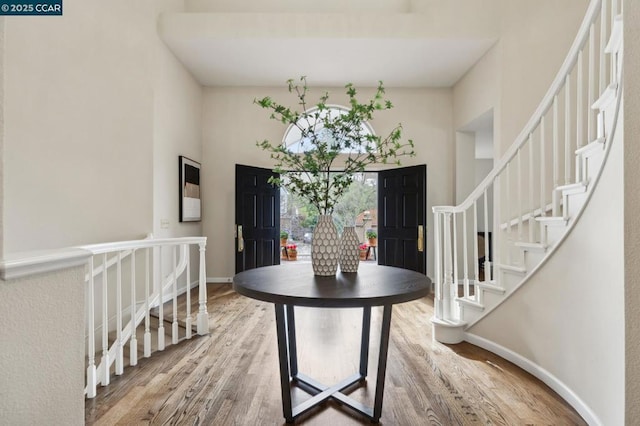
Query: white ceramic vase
{"x": 349, "y": 250}
{"x": 325, "y": 247}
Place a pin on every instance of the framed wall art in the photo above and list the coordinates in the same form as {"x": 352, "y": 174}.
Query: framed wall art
{"x": 190, "y": 201}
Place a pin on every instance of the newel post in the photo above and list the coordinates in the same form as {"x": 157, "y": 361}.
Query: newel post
{"x": 203, "y": 315}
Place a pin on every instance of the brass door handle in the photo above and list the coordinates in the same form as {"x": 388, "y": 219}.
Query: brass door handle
{"x": 240, "y": 239}
{"x": 420, "y": 238}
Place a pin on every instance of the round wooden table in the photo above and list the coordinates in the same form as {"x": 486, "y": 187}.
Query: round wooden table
{"x": 295, "y": 285}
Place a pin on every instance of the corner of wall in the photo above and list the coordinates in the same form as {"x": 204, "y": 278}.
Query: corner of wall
{"x": 631, "y": 206}
{"x": 2, "y": 21}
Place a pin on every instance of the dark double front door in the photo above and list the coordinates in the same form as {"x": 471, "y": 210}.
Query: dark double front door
{"x": 401, "y": 218}
{"x": 402, "y": 203}
{"x": 257, "y": 241}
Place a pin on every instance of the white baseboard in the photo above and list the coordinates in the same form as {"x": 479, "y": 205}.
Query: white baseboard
{"x": 537, "y": 371}
{"x": 219, "y": 280}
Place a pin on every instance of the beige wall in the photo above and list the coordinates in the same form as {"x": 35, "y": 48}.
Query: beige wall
{"x": 2, "y": 135}
{"x": 536, "y": 36}
{"x": 533, "y": 43}
{"x": 78, "y": 129}
{"x": 465, "y": 165}
{"x": 114, "y": 110}
{"x": 631, "y": 206}
{"x": 233, "y": 124}
{"x": 42, "y": 357}
{"x": 439, "y": 18}
{"x": 478, "y": 91}
{"x": 288, "y": 6}
{"x": 177, "y": 131}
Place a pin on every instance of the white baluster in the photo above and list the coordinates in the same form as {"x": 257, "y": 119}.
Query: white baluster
{"x": 147, "y": 308}
{"x": 487, "y": 263}
{"x": 496, "y": 240}
{"x": 543, "y": 181}
{"x": 555, "y": 157}
{"x": 174, "y": 325}
{"x": 465, "y": 254}
{"x": 159, "y": 282}
{"x": 603, "y": 42}
{"x": 543, "y": 169}
{"x": 188, "y": 318}
{"x": 119, "y": 348}
{"x": 567, "y": 131}
{"x": 105, "y": 361}
{"x": 614, "y": 69}
{"x": 520, "y": 192}
{"x": 614, "y": 12}
{"x": 203, "y": 315}
{"x": 448, "y": 287}
{"x": 133, "y": 343}
{"x": 91, "y": 329}
{"x": 476, "y": 269}
{"x": 438, "y": 266}
{"x": 579, "y": 114}
{"x": 591, "y": 83}
{"x": 531, "y": 187}
{"x": 507, "y": 205}
{"x": 455, "y": 254}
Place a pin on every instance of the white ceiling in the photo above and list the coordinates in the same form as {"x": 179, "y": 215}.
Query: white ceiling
{"x": 402, "y": 50}
{"x": 329, "y": 62}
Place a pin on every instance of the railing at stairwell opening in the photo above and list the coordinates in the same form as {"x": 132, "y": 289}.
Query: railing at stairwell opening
{"x": 522, "y": 191}
{"x": 125, "y": 282}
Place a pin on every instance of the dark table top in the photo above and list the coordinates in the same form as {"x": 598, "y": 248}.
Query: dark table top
{"x": 372, "y": 285}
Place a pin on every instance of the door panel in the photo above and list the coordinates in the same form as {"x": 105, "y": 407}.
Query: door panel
{"x": 258, "y": 213}
{"x": 402, "y": 209}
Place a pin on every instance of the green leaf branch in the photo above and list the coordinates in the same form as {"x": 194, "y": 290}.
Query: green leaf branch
{"x": 312, "y": 172}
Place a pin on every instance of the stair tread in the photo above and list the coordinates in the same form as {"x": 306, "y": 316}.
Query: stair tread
{"x": 606, "y": 97}
{"x": 512, "y": 268}
{"x": 532, "y": 246}
{"x": 597, "y": 143}
{"x": 491, "y": 286}
{"x": 615, "y": 39}
{"x": 572, "y": 187}
{"x": 470, "y": 303}
{"x": 447, "y": 323}
{"x": 553, "y": 220}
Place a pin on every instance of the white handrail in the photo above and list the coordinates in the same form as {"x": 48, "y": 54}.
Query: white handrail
{"x": 139, "y": 244}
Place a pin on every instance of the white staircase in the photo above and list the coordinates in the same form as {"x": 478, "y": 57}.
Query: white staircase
{"x": 540, "y": 186}
{"x": 125, "y": 282}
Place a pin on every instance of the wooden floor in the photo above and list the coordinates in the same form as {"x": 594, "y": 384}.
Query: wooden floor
{"x": 230, "y": 377}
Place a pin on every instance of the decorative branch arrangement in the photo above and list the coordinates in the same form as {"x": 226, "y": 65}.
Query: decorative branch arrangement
{"x": 332, "y": 146}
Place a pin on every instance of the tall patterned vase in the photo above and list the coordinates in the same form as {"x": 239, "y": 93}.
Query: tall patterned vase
{"x": 349, "y": 250}
{"x": 325, "y": 247}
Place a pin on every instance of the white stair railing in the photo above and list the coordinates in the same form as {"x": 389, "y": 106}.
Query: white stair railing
{"x": 165, "y": 276}
{"x": 525, "y": 193}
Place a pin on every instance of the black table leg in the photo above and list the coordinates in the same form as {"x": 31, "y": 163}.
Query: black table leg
{"x": 364, "y": 343}
{"x": 291, "y": 334}
{"x": 285, "y": 383}
{"x": 382, "y": 362}
{"x": 287, "y": 356}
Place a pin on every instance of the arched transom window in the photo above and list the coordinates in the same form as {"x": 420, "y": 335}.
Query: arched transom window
{"x": 298, "y": 136}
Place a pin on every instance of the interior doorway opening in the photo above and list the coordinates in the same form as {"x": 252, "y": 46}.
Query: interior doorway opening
{"x": 358, "y": 207}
